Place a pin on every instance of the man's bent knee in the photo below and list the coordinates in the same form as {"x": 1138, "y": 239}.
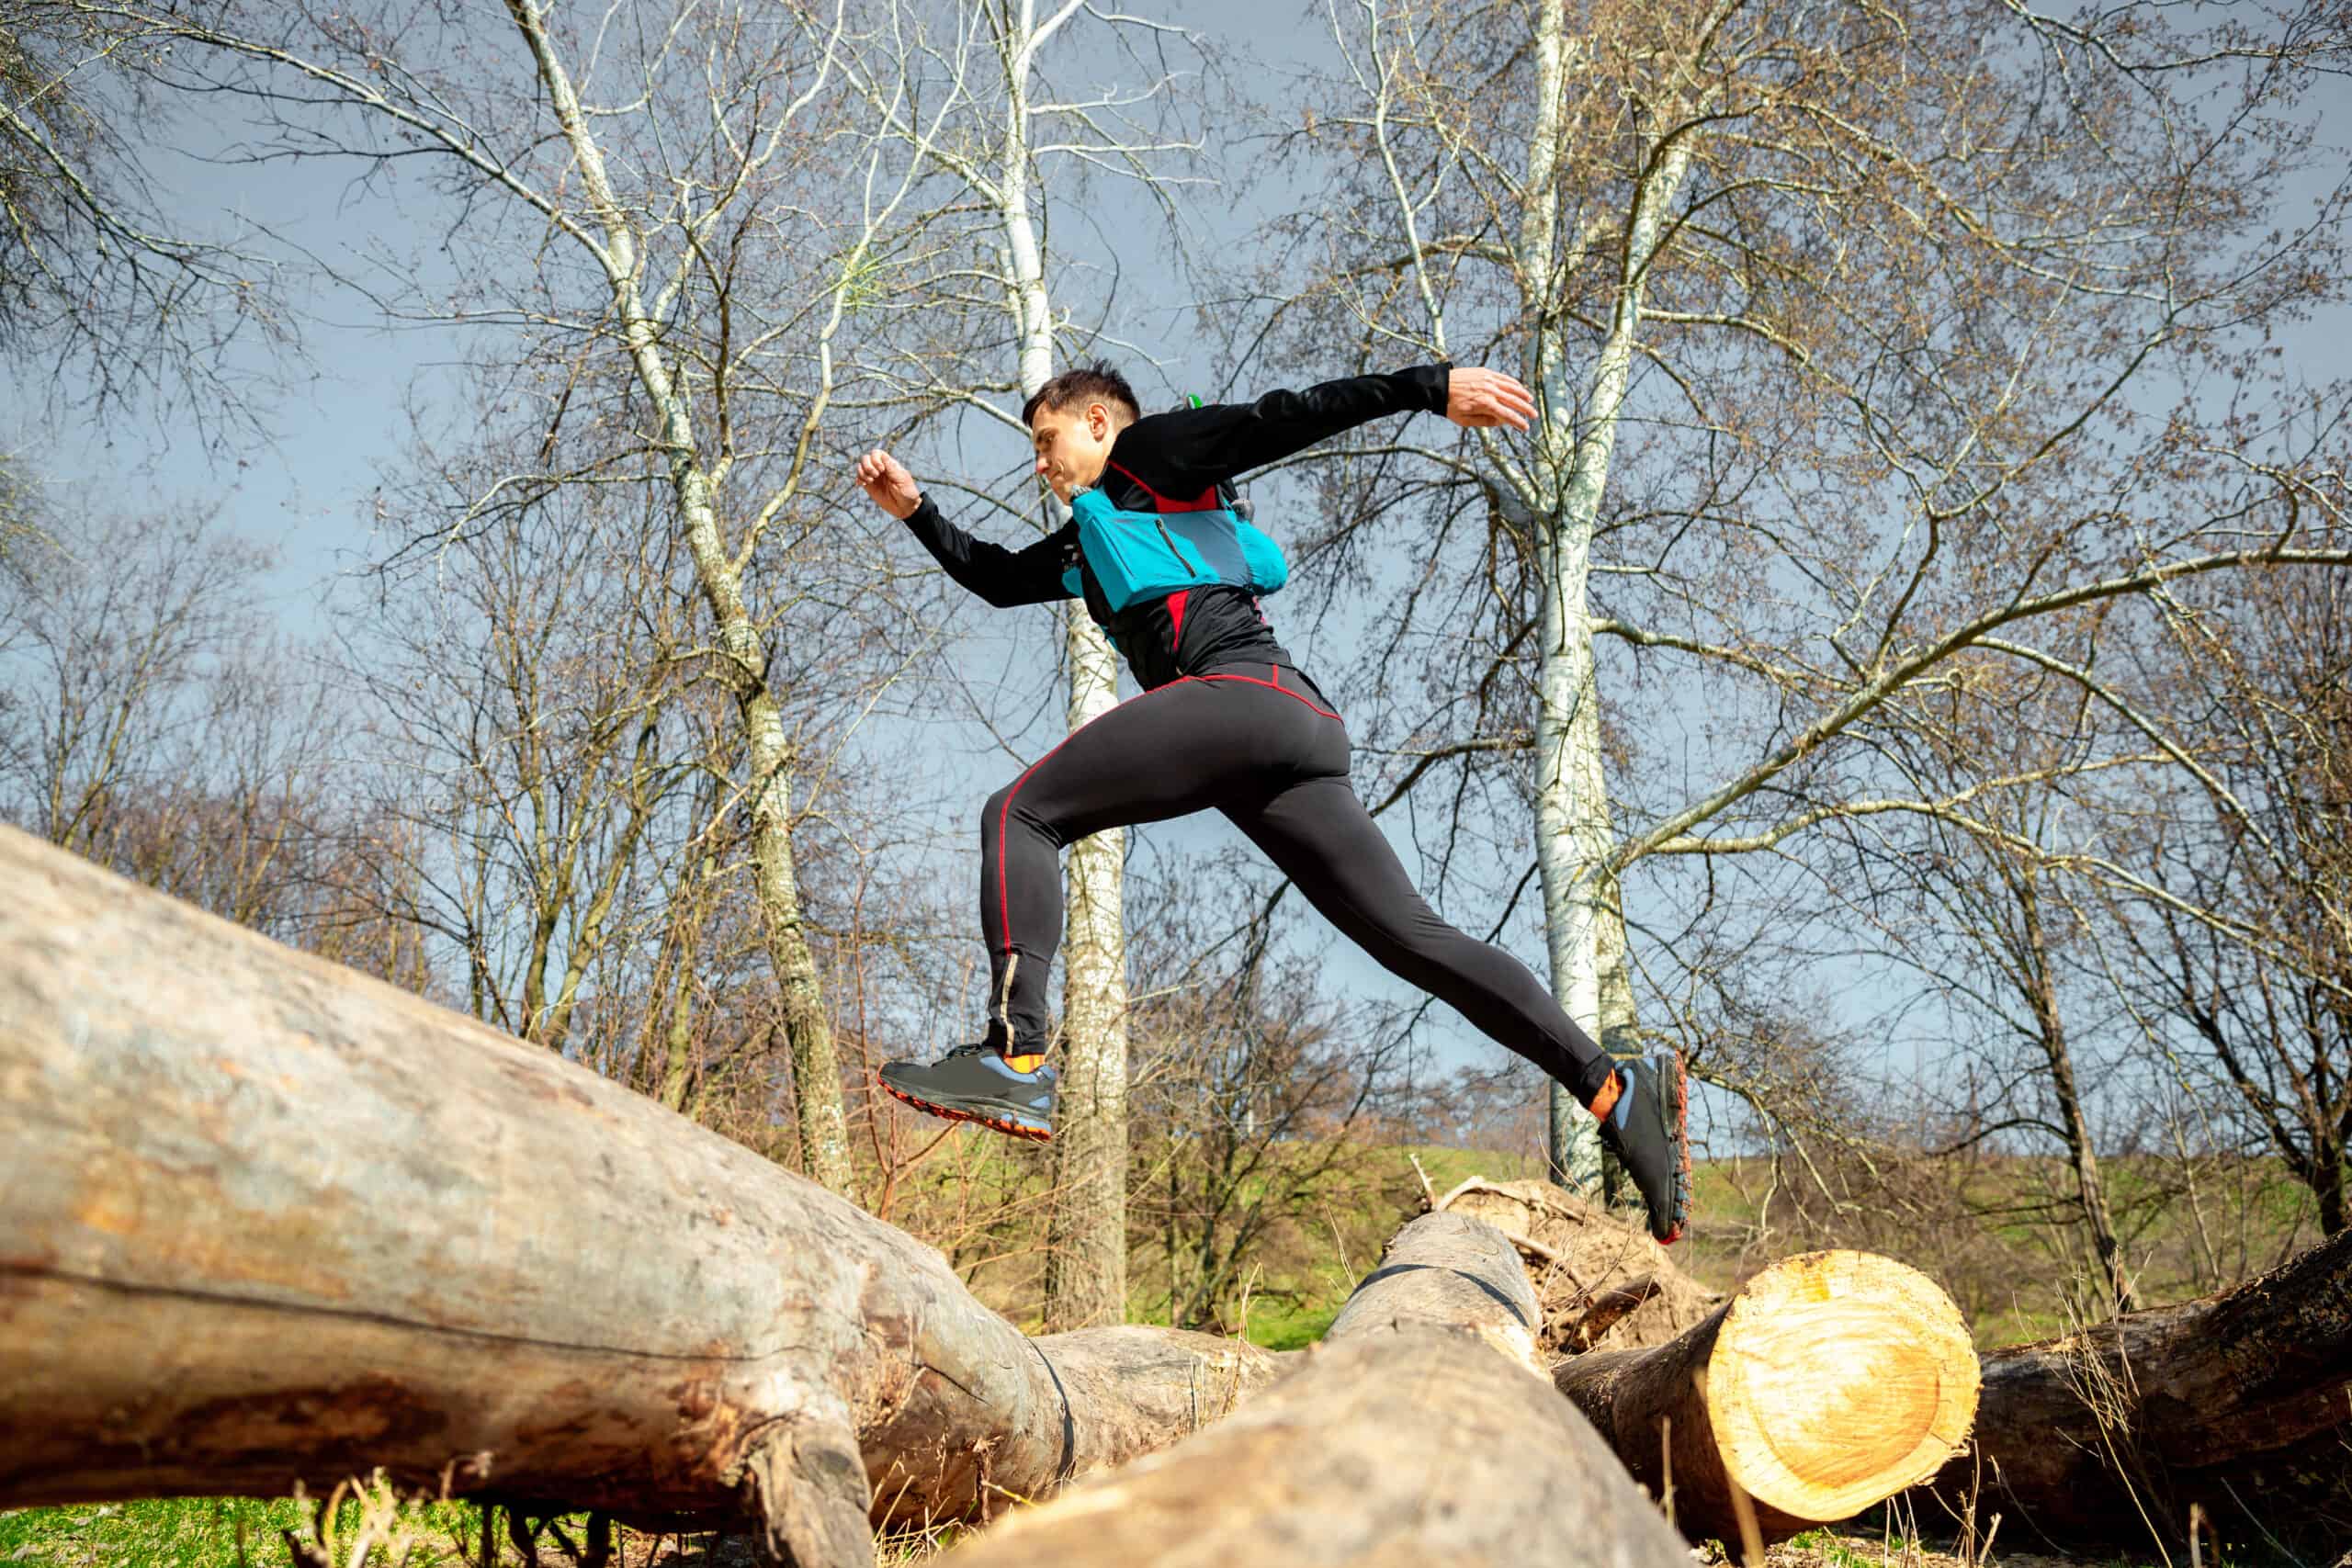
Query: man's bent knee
{"x": 1009, "y": 806}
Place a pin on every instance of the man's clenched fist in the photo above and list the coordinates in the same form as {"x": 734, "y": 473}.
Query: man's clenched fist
{"x": 886, "y": 480}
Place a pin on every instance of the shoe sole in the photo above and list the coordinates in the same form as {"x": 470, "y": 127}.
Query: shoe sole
{"x": 1682, "y": 1151}
{"x": 1010, "y": 1128}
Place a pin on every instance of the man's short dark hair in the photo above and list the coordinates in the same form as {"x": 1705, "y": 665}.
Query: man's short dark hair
{"x": 1095, "y": 383}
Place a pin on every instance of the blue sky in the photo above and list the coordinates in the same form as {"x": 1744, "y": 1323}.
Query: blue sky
{"x": 343, "y": 419}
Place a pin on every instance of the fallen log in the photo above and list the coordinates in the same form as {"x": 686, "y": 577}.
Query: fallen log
{"x": 1418, "y": 1431}
{"x": 2239, "y": 1404}
{"x": 1828, "y": 1383}
{"x": 262, "y": 1219}
{"x": 1602, "y": 1283}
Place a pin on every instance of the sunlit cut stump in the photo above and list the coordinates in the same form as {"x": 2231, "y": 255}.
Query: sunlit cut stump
{"x": 1826, "y": 1383}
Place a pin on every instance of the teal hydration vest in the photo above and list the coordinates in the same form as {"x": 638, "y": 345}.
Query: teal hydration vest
{"x": 1140, "y": 556}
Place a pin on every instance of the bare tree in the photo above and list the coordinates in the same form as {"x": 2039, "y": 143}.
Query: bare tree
{"x": 1994, "y": 921}
{"x": 1259, "y": 1100}
{"x": 1842, "y": 329}
{"x": 114, "y": 299}
{"x": 971, "y": 98}
{"x": 2241, "y": 926}
{"x": 690, "y": 272}
{"x": 119, "y": 628}
{"x": 520, "y": 682}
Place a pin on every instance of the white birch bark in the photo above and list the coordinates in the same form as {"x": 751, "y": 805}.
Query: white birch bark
{"x": 1572, "y": 842}
{"x": 816, "y": 1068}
{"x": 1086, "y": 1259}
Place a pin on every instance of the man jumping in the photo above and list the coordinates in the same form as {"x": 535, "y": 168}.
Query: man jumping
{"x": 1171, "y": 568}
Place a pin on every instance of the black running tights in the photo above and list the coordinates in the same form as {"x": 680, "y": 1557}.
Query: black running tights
{"x": 1260, "y": 743}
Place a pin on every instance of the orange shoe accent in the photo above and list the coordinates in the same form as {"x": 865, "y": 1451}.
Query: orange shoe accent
{"x": 945, "y": 1114}
{"x": 1606, "y": 1100}
{"x": 1026, "y": 1063}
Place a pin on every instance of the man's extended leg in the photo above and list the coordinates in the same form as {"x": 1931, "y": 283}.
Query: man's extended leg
{"x": 1319, "y": 834}
{"x": 1186, "y": 746}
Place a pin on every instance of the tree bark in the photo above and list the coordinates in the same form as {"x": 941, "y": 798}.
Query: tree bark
{"x": 768, "y": 749}
{"x": 2240, "y": 1403}
{"x": 1571, "y": 464}
{"x": 1416, "y": 1432}
{"x": 1828, "y": 1383}
{"x": 1601, "y": 1282}
{"x": 270, "y": 1220}
{"x": 2033, "y": 975}
{"x": 1086, "y": 1255}
{"x": 1086, "y": 1232}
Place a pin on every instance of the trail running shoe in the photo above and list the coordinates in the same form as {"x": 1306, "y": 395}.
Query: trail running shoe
{"x": 972, "y": 1083}
{"x": 1649, "y": 1129}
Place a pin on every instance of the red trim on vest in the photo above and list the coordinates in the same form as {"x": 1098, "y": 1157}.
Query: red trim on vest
{"x": 1176, "y": 622}
{"x": 1206, "y": 503}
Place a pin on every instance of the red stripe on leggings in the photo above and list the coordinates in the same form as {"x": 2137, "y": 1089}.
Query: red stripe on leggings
{"x": 1276, "y": 684}
{"x": 1004, "y": 816}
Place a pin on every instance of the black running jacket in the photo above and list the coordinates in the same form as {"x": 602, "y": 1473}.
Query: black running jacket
{"x": 1171, "y": 461}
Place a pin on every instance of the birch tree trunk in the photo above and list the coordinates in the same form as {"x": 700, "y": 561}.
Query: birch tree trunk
{"x": 816, "y": 1067}
{"x": 1621, "y": 1024}
{"x": 1573, "y": 843}
{"x": 1086, "y": 1257}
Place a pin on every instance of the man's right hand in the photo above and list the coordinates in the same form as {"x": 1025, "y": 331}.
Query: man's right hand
{"x": 886, "y": 482}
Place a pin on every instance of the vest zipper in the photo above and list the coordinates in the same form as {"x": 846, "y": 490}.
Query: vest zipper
{"x": 1172, "y": 550}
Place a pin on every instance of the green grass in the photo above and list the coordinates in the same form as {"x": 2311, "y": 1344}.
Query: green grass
{"x": 189, "y": 1533}
{"x": 1289, "y": 1325}
{"x": 1829, "y": 1550}
{"x": 204, "y": 1532}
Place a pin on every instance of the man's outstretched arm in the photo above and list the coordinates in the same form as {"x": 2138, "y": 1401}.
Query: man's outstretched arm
{"x": 1197, "y": 447}
{"x": 1032, "y": 575}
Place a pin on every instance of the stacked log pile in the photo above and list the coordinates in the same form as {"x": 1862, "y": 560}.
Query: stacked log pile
{"x": 1602, "y": 1283}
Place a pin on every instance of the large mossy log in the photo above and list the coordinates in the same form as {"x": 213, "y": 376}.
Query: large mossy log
{"x": 2239, "y": 1404}
{"x": 262, "y": 1219}
{"x": 1418, "y": 1431}
{"x": 1828, "y": 1382}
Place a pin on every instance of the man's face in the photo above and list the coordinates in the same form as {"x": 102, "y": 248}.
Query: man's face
{"x": 1072, "y": 446}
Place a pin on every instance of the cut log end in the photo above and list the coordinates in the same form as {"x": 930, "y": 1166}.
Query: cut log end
{"x": 1828, "y": 1383}
{"x": 1838, "y": 1379}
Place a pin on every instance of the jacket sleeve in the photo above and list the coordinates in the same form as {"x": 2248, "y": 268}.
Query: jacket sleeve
{"x": 1193, "y": 448}
{"x": 1031, "y": 575}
